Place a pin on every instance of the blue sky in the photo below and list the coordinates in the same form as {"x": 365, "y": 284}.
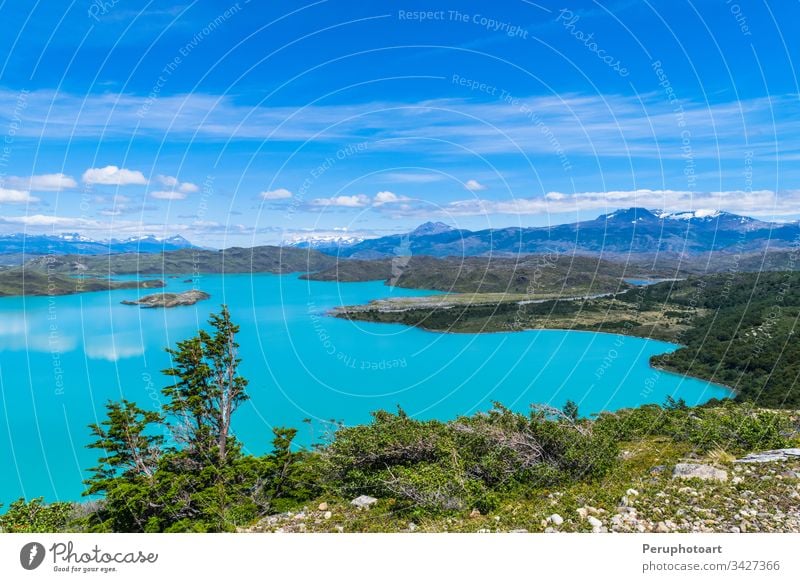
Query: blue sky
{"x": 238, "y": 123}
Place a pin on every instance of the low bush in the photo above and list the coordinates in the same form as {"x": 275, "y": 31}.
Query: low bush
{"x": 463, "y": 463}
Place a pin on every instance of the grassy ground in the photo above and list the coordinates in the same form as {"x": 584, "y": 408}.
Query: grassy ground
{"x": 484, "y": 312}
{"x": 640, "y": 495}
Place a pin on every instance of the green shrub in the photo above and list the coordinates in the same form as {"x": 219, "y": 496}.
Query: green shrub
{"x": 463, "y": 463}
{"x": 636, "y": 423}
{"x": 35, "y": 516}
{"x": 738, "y": 429}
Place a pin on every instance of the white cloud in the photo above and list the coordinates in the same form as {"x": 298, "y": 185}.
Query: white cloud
{"x": 361, "y": 200}
{"x": 113, "y": 176}
{"x": 474, "y": 186}
{"x": 168, "y": 195}
{"x": 188, "y": 188}
{"x": 43, "y": 182}
{"x": 764, "y": 203}
{"x": 277, "y": 194}
{"x": 169, "y": 181}
{"x": 387, "y": 197}
{"x": 356, "y": 201}
{"x": 43, "y": 220}
{"x": 15, "y": 196}
{"x": 414, "y": 178}
{"x": 177, "y": 189}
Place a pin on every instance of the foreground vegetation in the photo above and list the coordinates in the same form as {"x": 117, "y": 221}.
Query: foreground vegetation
{"x": 181, "y": 468}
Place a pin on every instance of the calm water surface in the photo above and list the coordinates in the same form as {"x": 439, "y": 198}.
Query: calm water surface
{"x": 62, "y": 358}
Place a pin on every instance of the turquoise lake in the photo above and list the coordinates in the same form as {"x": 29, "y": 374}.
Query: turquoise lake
{"x": 62, "y": 358}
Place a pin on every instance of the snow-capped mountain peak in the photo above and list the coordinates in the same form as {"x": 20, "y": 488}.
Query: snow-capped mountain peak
{"x": 701, "y": 213}
{"x": 319, "y": 240}
{"x": 73, "y": 237}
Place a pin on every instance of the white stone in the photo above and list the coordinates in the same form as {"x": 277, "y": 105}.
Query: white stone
{"x": 769, "y": 456}
{"x": 556, "y": 519}
{"x": 698, "y": 471}
{"x": 364, "y": 501}
{"x": 594, "y": 522}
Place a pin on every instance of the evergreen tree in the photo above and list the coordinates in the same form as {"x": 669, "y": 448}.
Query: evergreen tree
{"x": 204, "y": 482}
{"x": 207, "y": 390}
{"x": 130, "y": 450}
{"x": 127, "y": 472}
{"x": 570, "y": 410}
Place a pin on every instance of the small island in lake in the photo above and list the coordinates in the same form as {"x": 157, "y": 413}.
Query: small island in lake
{"x": 170, "y": 299}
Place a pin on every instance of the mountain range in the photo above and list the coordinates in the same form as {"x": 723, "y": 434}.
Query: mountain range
{"x": 15, "y": 246}
{"x": 633, "y": 231}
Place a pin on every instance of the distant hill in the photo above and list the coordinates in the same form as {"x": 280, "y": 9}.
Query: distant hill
{"x": 20, "y": 281}
{"x": 534, "y": 275}
{"x": 14, "y": 248}
{"x": 263, "y": 259}
{"x": 634, "y": 231}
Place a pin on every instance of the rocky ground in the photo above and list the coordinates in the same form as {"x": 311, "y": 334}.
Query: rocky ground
{"x": 758, "y": 493}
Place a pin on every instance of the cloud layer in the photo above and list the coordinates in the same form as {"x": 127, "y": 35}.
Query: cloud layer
{"x": 562, "y": 125}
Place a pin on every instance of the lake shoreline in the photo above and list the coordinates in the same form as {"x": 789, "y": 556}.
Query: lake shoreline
{"x": 663, "y": 370}
{"x": 301, "y": 364}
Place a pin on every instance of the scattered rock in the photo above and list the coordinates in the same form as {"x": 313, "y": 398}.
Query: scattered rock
{"x": 698, "y": 471}
{"x": 770, "y": 456}
{"x": 412, "y": 526}
{"x": 594, "y": 522}
{"x": 364, "y": 501}
{"x": 323, "y": 506}
{"x": 475, "y": 513}
{"x": 327, "y": 515}
{"x": 631, "y": 493}
{"x": 582, "y": 512}
{"x": 518, "y": 531}
{"x": 556, "y": 519}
